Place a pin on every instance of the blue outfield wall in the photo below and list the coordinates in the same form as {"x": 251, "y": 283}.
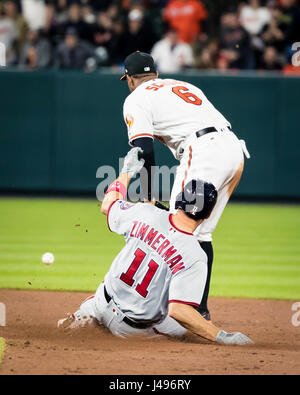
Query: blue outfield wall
{"x": 58, "y": 127}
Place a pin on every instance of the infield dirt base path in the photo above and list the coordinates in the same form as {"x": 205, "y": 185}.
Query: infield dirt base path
{"x": 35, "y": 346}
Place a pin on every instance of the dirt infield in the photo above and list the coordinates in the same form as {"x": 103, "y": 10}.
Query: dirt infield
{"x": 35, "y": 346}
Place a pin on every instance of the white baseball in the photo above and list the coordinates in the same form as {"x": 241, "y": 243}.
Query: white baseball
{"x": 48, "y": 258}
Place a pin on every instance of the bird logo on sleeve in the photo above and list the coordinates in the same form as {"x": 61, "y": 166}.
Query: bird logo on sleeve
{"x": 129, "y": 121}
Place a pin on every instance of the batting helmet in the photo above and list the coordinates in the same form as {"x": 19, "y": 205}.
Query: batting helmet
{"x": 197, "y": 199}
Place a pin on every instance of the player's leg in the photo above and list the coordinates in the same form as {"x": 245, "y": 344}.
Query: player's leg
{"x": 96, "y": 311}
{"x": 218, "y": 159}
{"x": 192, "y": 166}
{"x": 205, "y": 232}
{"x": 203, "y": 308}
{"x": 87, "y": 308}
{"x": 84, "y": 316}
{"x": 89, "y": 312}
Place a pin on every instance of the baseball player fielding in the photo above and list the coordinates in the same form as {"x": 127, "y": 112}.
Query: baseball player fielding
{"x": 179, "y": 115}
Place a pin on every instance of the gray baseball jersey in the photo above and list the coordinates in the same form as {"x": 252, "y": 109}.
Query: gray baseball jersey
{"x": 158, "y": 264}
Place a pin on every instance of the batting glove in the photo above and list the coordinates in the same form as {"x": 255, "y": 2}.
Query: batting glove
{"x": 132, "y": 164}
{"x": 233, "y": 338}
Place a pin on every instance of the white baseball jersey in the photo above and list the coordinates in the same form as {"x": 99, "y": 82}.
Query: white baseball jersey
{"x": 170, "y": 111}
{"x": 159, "y": 263}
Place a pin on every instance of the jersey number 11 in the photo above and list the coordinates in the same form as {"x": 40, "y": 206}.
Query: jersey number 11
{"x": 128, "y": 279}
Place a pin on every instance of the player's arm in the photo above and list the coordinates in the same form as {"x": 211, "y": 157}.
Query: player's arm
{"x": 139, "y": 120}
{"x": 118, "y": 189}
{"x": 192, "y": 320}
{"x": 147, "y": 176}
{"x": 185, "y": 292}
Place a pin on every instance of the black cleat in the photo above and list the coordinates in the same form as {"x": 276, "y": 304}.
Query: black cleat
{"x": 206, "y": 315}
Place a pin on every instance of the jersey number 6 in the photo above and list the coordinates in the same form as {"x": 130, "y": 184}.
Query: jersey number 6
{"x": 187, "y": 96}
{"x": 127, "y": 277}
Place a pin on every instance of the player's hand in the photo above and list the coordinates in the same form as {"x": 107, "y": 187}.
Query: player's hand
{"x": 233, "y": 338}
{"x": 132, "y": 163}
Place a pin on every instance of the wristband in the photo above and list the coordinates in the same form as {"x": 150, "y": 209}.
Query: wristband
{"x": 117, "y": 186}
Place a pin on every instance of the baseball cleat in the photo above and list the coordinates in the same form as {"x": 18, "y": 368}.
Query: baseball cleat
{"x": 74, "y": 322}
{"x": 65, "y": 323}
{"x": 206, "y": 316}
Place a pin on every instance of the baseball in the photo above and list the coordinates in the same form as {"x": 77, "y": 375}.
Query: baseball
{"x": 48, "y": 258}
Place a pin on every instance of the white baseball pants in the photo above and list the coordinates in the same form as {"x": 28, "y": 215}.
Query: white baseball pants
{"x": 218, "y": 158}
{"x": 110, "y": 316}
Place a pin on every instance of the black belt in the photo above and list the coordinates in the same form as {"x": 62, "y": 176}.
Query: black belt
{"x": 202, "y": 132}
{"x": 128, "y": 321}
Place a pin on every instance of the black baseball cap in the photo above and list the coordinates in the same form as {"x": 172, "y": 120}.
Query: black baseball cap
{"x": 138, "y": 63}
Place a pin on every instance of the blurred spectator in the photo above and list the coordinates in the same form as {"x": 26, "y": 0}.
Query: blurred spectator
{"x": 56, "y": 18}
{"x": 140, "y": 35}
{"x": 57, "y": 12}
{"x": 75, "y": 21}
{"x": 73, "y": 52}
{"x": 235, "y": 42}
{"x": 256, "y": 34}
{"x": 114, "y": 11}
{"x": 35, "y": 13}
{"x": 12, "y": 11}
{"x": 290, "y": 21}
{"x": 185, "y": 16}
{"x": 172, "y": 55}
{"x": 8, "y": 35}
{"x": 88, "y": 14}
{"x": 36, "y": 52}
{"x": 117, "y": 43}
{"x": 207, "y": 56}
{"x": 270, "y": 60}
{"x": 254, "y": 17}
{"x": 272, "y": 34}
{"x": 102, "y": 30}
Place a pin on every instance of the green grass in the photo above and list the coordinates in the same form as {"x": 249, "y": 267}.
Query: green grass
{"x": 2, "y": 349}
{"x": 257, "y": 249}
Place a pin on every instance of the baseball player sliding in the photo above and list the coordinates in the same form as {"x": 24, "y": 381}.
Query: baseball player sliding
{"x": 179, "y": 115}
{"x": 160, "y": 274}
